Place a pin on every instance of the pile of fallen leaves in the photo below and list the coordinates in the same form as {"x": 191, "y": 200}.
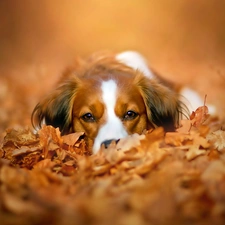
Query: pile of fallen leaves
{"x": 154, "y": 178}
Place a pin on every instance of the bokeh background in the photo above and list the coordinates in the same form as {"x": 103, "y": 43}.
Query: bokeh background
{"x": 184, "y": 40}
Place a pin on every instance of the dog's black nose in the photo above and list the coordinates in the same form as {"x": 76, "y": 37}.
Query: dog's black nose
{"x": 106, "y": 143}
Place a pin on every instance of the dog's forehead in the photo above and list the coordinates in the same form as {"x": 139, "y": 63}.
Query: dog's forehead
{"x": 119, "y": 79}
{"x": 104, "y": 87}
{"x": 109, "y": 91}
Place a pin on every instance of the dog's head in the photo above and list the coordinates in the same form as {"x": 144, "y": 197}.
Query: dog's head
{"x": 108, "y": 98}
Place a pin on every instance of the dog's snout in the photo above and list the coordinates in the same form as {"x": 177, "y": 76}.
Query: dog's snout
{"x": 106, "y": 143}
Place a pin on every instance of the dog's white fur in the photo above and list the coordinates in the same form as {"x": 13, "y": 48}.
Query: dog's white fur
{"x": 113, "y": 128}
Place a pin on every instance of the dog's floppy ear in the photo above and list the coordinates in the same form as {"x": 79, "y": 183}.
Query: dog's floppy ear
{"x": 56, "y": 108}
{"x": 162, "y": 104}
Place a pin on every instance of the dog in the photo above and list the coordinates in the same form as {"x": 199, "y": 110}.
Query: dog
{"x": 108, "y": 97}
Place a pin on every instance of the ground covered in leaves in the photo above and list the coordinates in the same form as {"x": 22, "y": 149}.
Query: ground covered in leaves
{"x": 154, "y": 178}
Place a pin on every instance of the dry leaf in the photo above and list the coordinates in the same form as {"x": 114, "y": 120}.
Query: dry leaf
{"x": 20, "y": 137}
{"x": 218, "y": 139}
{"x": 147, "y": 180}
{"x": 24, "y": 149}
{"x": 199, "y": 116}
{"x": 71, "y": 139}
{"x": 49, "y": 134}
{"x": 129, "y": 142}
{"x": 194, "y": 151}
{"x": 46, "y": 163}
{"x": 177, "y": 139}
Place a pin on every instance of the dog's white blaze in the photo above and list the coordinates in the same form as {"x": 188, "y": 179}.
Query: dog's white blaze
{"x": 113, "y": 128}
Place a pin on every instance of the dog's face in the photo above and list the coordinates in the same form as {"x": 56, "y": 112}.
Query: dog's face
{"x": 108, "y": 100}
{"x": 109, "y": 107}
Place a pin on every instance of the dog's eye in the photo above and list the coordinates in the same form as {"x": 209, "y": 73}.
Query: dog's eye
{"x": 130, "y": 115}
{"x": 88, "y": 117}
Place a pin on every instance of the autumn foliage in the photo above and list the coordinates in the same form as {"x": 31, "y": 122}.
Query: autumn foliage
{"x": 154, "y": 178}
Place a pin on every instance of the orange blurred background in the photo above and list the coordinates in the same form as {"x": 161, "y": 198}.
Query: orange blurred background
{"x": 184, "y": 40}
